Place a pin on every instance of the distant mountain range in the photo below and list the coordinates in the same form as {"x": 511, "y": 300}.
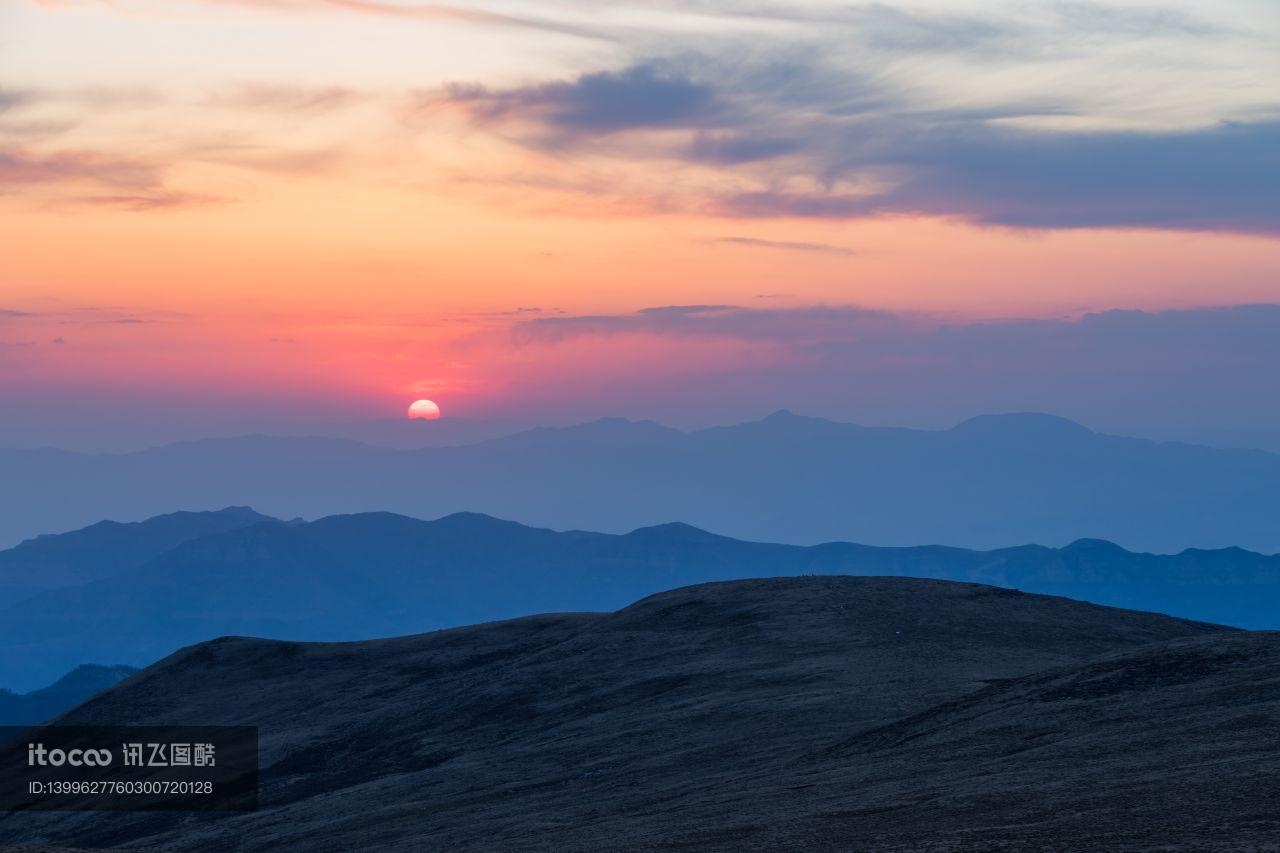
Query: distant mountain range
{"x": 38, "y": 706}
{"x": 376, "y": 574}
{"x": 989, "y": 482}
{"x": 821, "y": 714}
{"x": 105, "y": 549}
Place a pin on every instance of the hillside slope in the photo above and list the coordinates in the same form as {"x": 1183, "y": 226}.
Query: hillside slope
{"x": 805, "y": 713}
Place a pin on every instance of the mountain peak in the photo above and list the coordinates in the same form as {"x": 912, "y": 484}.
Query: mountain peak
{"x": 786, "y": 416}
{"x": 366, "y": 522}
{"x": 240, "y": 511}
{"x": 676, "y": 531}
{"x": 1094, "y": 546}
{"x": 477, "y": 521}
{"x": 1030, "y": 424}
{"x": 782, "y": 419}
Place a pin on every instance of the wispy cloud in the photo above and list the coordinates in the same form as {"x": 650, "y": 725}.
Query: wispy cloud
{"x": 713, "y": 321}
{"x": 1128, "y": 20}
{"x": 468, "y": 14}
{"x": 1099, "y": 337}
{"x": 282, "y": 97}
{"x": 262, "y": 157}
{"x": 10, "y": 98}
{"x": 144, "y": 201}
{"x": 1220, "y": 178}
{"x": 1163, "y": 372}
{"x": 18, "y": 166}
{"x": 760, "y": 109}
{"x": 643, "y": 96}
{"x": 93, "y": 178}
{"x": 382, "y": 8}
{"x": 787, "y": 245}
{"x": 851, "y": 146}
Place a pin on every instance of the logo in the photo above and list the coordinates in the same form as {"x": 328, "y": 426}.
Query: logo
{"x": 38, "y": 756}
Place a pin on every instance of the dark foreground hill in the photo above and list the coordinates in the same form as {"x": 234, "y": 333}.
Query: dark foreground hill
{"x": 800, "y": 714}
{"x": 379, "y": 575}
{"x": 990, "y": 482}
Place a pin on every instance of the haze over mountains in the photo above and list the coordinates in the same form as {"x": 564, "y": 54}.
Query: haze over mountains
{"x": 378, "y": 574}
{"x": 990, "y": 482}
{"x": 817, "y": 713}
{"x": 105, "y": 549}
{"x": 115, "y": 436}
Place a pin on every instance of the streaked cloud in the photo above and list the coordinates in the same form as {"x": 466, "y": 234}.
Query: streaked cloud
{"x": 714, "y": 321}
{"x": 1220, "y": 178}
{"x": 752, "y": 109}
{"x": 10, "y": 98}
{"x": 787, "y": 245}
{"x": 378, "y": 8}
{"x": 19, "y": 166}
{"x": 146, "y": 201}
{"x": 854, "y": 147}
{"x": 1190, "y": 373}
{"x": 93, "y": 179}
{"x": 642, "y": 96}
{"x": 283, "y": 97}
{"x": 1035, "y": 28}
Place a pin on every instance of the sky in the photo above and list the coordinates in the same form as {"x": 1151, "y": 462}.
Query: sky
{"x": 220, "y": 214}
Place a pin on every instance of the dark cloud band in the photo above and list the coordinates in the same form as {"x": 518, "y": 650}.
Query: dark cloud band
{"x": 788, "y": 123}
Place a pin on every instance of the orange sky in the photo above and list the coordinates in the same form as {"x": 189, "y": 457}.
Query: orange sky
{"x": 362, "y": 204}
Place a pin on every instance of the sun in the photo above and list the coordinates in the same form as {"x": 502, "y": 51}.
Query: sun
{"x": 424, "y": 410}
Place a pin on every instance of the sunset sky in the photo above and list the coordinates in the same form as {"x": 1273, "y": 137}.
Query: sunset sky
{"x": 223, "y": 213}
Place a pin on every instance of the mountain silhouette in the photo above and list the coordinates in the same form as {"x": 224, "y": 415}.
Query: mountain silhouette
{"x": 990, "y": 482}
{"x": 815, "y": 713}
{"x": 105, "y": 549}
{"x": 369, "y": 575}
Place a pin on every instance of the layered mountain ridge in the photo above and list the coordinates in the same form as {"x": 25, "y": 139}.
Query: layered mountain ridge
{"x": 380, "y": 574}
{"x": 990, "y": 482}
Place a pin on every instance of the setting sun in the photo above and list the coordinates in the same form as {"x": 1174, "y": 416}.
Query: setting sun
{"x": 424, "y": 410}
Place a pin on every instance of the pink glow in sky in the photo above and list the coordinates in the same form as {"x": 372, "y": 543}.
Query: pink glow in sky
{"x": 252, "y": 207}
